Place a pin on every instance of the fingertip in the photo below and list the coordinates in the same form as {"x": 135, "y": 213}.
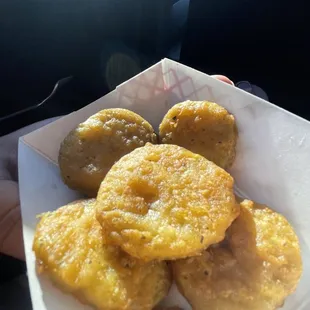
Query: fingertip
{"x": 223, "y": 78}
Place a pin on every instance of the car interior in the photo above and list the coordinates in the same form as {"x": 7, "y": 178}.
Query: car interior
{"x": 57, "y": 56}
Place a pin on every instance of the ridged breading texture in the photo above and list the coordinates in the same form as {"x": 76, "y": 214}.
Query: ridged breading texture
{"x": 202, "y": 127}
{"x": 90, "y": 150}
{"x": 258, "y": 268}
{"x": 165, "y": 202}
{"x": 69, "y": 248}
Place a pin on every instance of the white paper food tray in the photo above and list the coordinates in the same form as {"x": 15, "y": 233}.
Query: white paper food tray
{"x": 272, "y": 164}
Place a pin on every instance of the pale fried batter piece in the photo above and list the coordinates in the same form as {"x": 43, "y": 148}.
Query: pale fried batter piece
{"x": 165, "y": 202}
{"x": 202, "y": 127}
{"x": 260, "y": 267}
{"x": 69, "y": 249}
{"x": 261, "y": 236}
{"x": 90, "y": 150}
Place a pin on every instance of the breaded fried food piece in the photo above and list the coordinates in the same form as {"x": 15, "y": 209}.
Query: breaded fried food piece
{"x": 202, "y": 127}
{"x": 165, "y": 202}
{"x": 261, "y": 235}
{"x": 258, "y": 269}
{"x": 69, "y": 248}
{"x": 90, "y": 150}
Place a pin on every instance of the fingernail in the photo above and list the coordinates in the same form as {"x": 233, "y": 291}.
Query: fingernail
{"x": 223, "y": 78}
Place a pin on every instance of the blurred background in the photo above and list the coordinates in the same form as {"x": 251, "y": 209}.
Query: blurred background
{"x": 91, "y": 46}
{"x": 99, "y": 44}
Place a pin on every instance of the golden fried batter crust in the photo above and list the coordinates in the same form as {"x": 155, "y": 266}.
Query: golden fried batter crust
{"x": 165, "y": 202}
{"x": 258, "y": 269}
{"x": 69, "y": 249}
{"x": 261, "y": 236}
{"x": 202, "y": 127}
{"x": 90, "y": 150}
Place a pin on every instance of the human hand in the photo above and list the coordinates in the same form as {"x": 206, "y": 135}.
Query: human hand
{"x": 11, "y": 238}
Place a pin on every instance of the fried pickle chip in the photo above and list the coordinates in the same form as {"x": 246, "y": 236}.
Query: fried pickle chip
{"x": 165, "y": 202}
{"x": 202, "y": 127}
{"x": 90, "y": 150}
{"x": 258, "y": 269}
{"x": 262, "y": 236}
{"x": 69, "y": 248}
